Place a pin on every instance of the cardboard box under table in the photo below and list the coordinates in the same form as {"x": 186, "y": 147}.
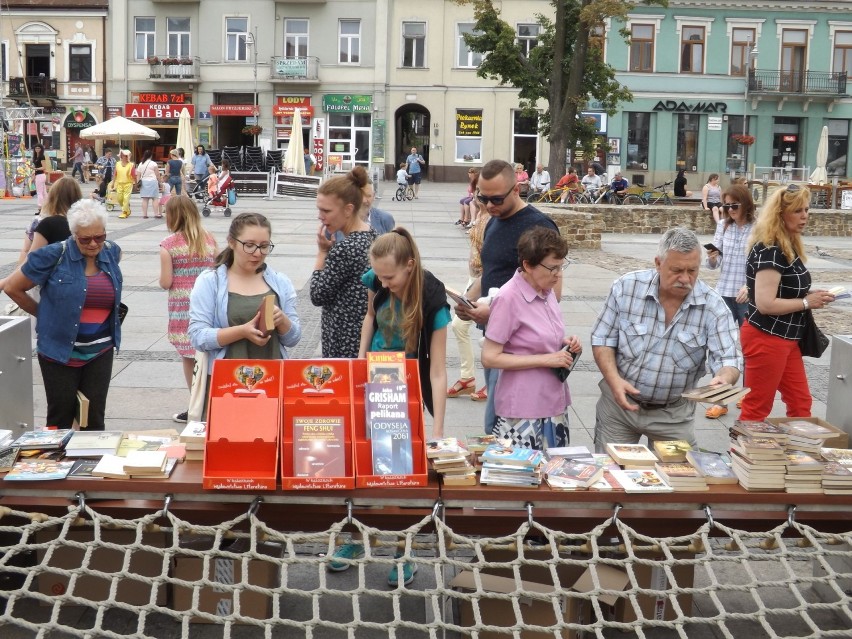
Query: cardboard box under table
{"x": 364, "y": 474}
{"x": 243, "y": 417}
{"x": 317, "y": 398}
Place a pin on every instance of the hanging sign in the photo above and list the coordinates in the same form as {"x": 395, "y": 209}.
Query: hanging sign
{"x": 348, "y": 103}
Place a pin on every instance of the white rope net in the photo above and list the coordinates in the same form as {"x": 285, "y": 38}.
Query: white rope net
{"x": 89, "y": 575}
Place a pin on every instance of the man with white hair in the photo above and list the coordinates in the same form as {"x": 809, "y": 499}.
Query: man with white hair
{"x": 657, "y": 329}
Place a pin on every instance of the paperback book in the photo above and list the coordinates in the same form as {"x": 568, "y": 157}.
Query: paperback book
{"x": 82, "y": 469}
{"x": 842, "y": 456}
{"x": 145, "y": 462}
{"x": 386, "y": 367}
{"x": 512, "y": 455}
{"x": 562, "y": 473}
{"x": 391, "y": 444}
{"x": 646, "y": 480}
{"x": 632, "y": 455}
{"x": 93, "y": 443}
{"x": 43, "y": 439}
{"x": 385, "y": 401}
{"x": 82, "y": 413}
{"x": 39, "y": 470}
{"x": 682, "y": 476}
{"x": 712, "y": 467}
{"x": 319, "y": 447}
{"x": 8, "y": 457}
{"x": 672, "y": 450}
{"x": 265, "y": 323}
{"x": 446, "y": 447}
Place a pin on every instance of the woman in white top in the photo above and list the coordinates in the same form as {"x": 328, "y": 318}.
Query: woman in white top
{"x": 148, "y": 173}
{"x": 711, "y": 197}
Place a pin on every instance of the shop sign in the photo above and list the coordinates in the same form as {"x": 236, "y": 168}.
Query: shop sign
{"x": 157, "y": 111}
{"x": 714, "y": 123}
{"x": 79, "y": 119}
{"x": 698, "y": 107}
{"x": 348, "y": 103}
{"x": 599, "y": 118}
{"x": 378, "y": 141}
{"x": 291, "y": 67}
{"x": 286, "y": 106}
{"x": 318, "y": 128}
{"x": 153, "y": 97}
{"x": 319, "y": 153}
{"x": 234, "y": 109}
{"x": 788, "y": 138}
{"x": 469, "y": 123}
{"x": 205, "y": 116}
{"x": 113, "y": 112}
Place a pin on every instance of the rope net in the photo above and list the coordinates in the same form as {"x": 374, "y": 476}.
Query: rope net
{"x": 86, "y": 574}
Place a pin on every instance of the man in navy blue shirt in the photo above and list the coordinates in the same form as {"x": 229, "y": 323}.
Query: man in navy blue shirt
{"x": 619, "y": 185}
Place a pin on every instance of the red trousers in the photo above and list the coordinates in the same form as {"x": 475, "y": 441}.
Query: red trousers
{"x": 773, "y": 364}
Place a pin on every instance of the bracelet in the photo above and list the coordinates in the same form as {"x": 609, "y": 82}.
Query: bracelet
{"x": 805, "y": 303}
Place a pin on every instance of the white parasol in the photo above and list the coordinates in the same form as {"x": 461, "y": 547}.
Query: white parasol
{"x": 119, "y": 128}
{"x": 184, "y": 133}
{"x": 294, "y": 160}
{"x": 819, "y": 176}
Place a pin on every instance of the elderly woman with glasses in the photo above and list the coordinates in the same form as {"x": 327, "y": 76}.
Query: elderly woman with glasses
{"x": 224, "y": 307}
{"x": 525, "y": 338}
{"x": 78, "y": 324}
{"x": 779, "y": 297}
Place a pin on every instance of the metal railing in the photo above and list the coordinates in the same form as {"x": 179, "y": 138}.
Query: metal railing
{"x": 808, "y": 82}
{"x": 172, "y": 68}
{"x": 294, "y": 68}
{"x": 37, "y": 86}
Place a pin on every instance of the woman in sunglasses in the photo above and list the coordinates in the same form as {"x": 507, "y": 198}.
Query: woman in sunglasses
{"x": 78, "y": 325}
{"x": 728, "y": 253}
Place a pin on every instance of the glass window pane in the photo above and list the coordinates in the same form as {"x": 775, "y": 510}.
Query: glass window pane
{"x": 642, "y": 31}
{"x": 843, "y": 37}
{"x": 177, "y": 24}
{"x": 339, "y": 119}
{"x": 525, "y": 125}
{"x": 414, "y": 28}
{"x": 795, "y": 36}
{"x": 145, "y": 24}
{"x": 349, "y": 26}
{"x": 237, "y": 25}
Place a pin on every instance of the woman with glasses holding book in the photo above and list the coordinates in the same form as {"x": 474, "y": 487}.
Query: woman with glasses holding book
{"x": 78, "y": 326}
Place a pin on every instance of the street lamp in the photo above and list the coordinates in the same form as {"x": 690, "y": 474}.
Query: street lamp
{"x": 251, "y": 41}
{"x": 751, "y": 53}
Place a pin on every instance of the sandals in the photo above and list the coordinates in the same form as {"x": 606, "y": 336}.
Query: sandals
{"x": 715, "y": 412}
{"x": 462, "y": 387}
{"x": 481, "y": 395}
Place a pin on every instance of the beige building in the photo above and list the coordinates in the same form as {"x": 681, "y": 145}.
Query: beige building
{"x": 53, "y": 63}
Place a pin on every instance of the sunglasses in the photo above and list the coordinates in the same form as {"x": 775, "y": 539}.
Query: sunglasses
{"x": 97, "y": 239}
{"x": 496, "y": 200}
{"x": 735, "y": 206}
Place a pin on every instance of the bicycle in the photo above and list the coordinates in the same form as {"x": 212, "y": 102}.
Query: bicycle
{"x": 662, "y": 195}
{"x": 404, "y": 193}
{"x": 612, "y": 198}
{"x": 554, "y": 196}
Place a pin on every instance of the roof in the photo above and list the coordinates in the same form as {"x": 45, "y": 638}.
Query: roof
{"x": 56, "y": 4}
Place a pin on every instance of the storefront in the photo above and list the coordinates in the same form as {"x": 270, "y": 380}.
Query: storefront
{"x": 75, "y": 121}
{"x": 159, "y": 111}
{"x": 235, "y": 119}
{"x": 349, "y": 127}
{"x": 283, "y": 111}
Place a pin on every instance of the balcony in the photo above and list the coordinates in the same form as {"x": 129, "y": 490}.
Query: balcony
{"x": 294, "y": 69}
{"x": 796, "y": 86}
{"x": 33, "y": 87}
{"x": 168, "y": 69}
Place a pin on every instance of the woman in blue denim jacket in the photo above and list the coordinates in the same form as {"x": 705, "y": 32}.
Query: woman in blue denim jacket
{"x": 78, "y": 315}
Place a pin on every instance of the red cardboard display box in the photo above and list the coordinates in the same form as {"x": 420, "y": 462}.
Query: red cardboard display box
{"x": 243, "y": 416}
{"x": 364, "y": 477}
{"x": 316, "y": 431}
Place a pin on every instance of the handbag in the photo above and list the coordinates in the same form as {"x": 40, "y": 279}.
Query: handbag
{"x": 232, "y": 197}
{"x": 198, "y": 389}
{"x": 122, "y": 312}
{"x": 813, "y": 342}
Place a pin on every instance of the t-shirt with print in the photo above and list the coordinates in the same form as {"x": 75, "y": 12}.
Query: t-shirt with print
{"x": 795, "y": 284}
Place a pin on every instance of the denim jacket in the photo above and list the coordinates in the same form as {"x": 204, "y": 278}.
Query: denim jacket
{"x": 60, "y": 270}
{"x": 208, "y": 311}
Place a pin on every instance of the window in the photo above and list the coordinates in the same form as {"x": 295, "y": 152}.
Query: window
{"x": 178, "y": 34}
{"x": 80, "y": 67}
{"x": 350, "y": 42}
{"x": 349, "y": 135}
{"x": 794, "y": 44}
{"x": 638, "y": 140}
{"x": 736, "y": 153}
{"x": 524, "y": 140}
{"x": 842, "y": 52}
{"x": 236, "y": 39}
{"x": 742, "y": 42}
{"x": 528, "y": 37}
{"x": 468, "y": 134}
{"x": 692, "y": 50}
{"x": 687, "y": 141}
{"x": 414, "y": 45}
{"x": 296, "y": 38}
{"x": 3, "y": 74}
{"x": 465, "y": 58}
{"x": 838, "y": 147}
{"x": 144, "y": 38}
{"x": 642, "y": 47}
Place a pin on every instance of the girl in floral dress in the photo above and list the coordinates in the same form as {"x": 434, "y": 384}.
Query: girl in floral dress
{"x": 184, "y": 254}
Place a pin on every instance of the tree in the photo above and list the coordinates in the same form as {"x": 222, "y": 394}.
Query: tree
{"x": 565, "y": 69}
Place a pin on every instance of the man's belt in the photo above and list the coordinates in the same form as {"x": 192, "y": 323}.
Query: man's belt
{"x": 656, "y": 406}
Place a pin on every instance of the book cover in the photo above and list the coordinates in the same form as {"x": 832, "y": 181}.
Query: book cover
{"x": 712, "y": 467}
{"x": 458, "y": 298}
{"x": 6, "y": 437}
{"x": 82, "y": 414}
{"x": 758, "y": 429}
{"x": 386, "y": 367}
{"x": 82, "y": 469}
{"x": 641, "y": 481}
{"x": 38, "y": 470}
{"x": 383, "y": 401}
{"x": 391, "y": 444}
{"x": 144, "y": 462}
{"x": 559, "y": 470}
{"x": 678, "y": 470}
{"x": 111, "y": 466}
{"x": 512, "y": 455}
{"x": 265, "y": 324}
{"x": 446, "y": 447}
{"x": 631, "y": 454}
{"x": 672, "y": 450}
{"x": 319, "y": 447}
{"x": 810, "y": 430}
{"x": 840, "y": 455}
{"x": 466, "y": 479}
{"x": 92, "y": 443}
{"x": 478, "y": 443}
{"x": 8, "y": 457}
{"x": 194, "y": 433}
{"x": 702, "y": 392}
{"x": 503, "y": 478}
{"x": 43, "y": 439}
{"x": 164, "y": 474}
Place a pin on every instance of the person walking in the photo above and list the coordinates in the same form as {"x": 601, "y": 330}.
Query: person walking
{"x": 38, "y": 159}
{"x": 149, "y": 178}
{"x": 174, "y": 172}
{"x": 414, "y": 162}
{"x": 79, "y": 158}
{"x": 122, "y": 181}
{"x": 200, "y": 163}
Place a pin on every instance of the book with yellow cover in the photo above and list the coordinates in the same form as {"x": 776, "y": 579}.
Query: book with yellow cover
{"x": 386, "y": 367}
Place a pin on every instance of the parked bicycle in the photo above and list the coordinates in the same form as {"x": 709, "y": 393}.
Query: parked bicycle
{"x": 554, "y": 196}
{"x": 659, "y": 195}
{"x": 404, "y": 193}
{"x": 611, "y": 197}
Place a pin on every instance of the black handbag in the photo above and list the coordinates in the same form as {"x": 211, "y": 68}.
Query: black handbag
{"x": 122, "y": 312}
{"x": 813, "y": 342}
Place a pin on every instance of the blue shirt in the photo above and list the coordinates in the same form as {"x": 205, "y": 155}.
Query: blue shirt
{"x": 60, "y": 270}
{"x": 200, "y": 163}
{"x": 413, "y": 163}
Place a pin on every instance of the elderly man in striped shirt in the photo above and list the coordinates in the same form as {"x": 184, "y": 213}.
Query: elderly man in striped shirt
{"x": 656, "y": 331}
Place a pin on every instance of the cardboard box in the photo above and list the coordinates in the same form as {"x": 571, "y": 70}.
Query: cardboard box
{"x": 104, "y": 559}
{"x": 840, "y": 440}
{"x": 223, "y": 600}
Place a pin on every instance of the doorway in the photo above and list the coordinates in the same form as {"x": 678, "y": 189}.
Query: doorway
{"x": 412, "y": 123}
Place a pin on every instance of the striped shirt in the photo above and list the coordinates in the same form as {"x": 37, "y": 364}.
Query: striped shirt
{"x": 663, "y": 361}
{"x": 731, "y": 240}
{"x": 795, "y": 284}
{"x": 93, "y": 335}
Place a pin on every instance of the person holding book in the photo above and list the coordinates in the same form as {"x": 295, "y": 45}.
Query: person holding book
{"x": 525, "y": 339}
{"x": 658, "y": 331}
{"x": 779, "y": 299}
{"x": 225, "y": 301}
{"x": 729, "y": 255}
{"x": 184, "y": 255}
{"x": 335, "y": 284}
{"x": 78, "y": 326}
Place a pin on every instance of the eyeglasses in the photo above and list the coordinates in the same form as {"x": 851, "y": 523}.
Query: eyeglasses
{"x": 97, "y": 239}
{"x": 496, "y": 200}
{"x": 251, "y": 248}
{"x": 733, "y": 205}
{"x": 555, "y": 270}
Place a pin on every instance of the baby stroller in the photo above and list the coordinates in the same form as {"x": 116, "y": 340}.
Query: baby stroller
{"x": 197, "y": 190}
{"x": 226, "y": 195}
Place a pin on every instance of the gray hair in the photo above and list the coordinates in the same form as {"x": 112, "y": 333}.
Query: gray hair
{"x": 678, "y": 239}
{"x": 86, "y": 212}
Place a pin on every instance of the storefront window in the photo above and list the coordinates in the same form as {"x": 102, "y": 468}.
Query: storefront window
{"x": 524, "y": 140}
{"x": 785, "y": 142}
{"x": 736, "y": 152}
{"x": 468, "y": 135}
{"x": 687, "y": 141}
{"x": 638, "y": 140}
{"x": 349, "y": 136}
{"x": 838, "y": 147}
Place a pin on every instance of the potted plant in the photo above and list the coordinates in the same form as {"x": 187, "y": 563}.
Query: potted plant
{"x": 152, "y": 60}
{"x": 252, "y": 129}
{"x": 745, "y": 140}
{"x": 186, "y": 60}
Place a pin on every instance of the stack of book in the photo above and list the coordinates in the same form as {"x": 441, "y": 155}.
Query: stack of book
{"x": 451, "y": 460}
{"x": 93, "y": 443}
{"x": 682, "y": 476}
{"x": 562, "y": 473}
{"x": 712, "y": 466}
{"x": 511, "y": 466}
{"x": 672, "y": 450}
{"x": 758, "y": 429}
{"x": 836, "y": 479}
{"x": 842, "y": 456}
{"x": 719, "y": 394}
{"x": 641, "y": 480}
{"x": 804, "y": 473}
{"x": 584, "y": 455}
{"x": 805, "y": 436}
{"x": 632, "y": 456}
{"x": 477, "y": 444}
{"x": 6, "y": 437}
{"x": 139, "y": 464}
{"x": 43, "y": 440}
{"x": 759, "y": 463}
{"x": 194, "y": 435}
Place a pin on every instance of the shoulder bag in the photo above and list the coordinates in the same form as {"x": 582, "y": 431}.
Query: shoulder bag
{"x": 813, "y": 342}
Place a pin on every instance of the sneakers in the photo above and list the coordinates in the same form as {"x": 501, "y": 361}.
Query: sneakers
{"x": 715, "y": 412}
{"x": 408, "y": 570}
{"x": 346, "y": 551}
{"x": 180, "y": 418}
